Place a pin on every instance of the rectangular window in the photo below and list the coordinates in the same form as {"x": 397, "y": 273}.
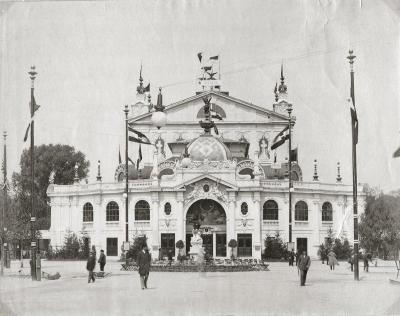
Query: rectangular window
{"x": 168, "y": 244}
{"x": 244, "y": 245}
{"x": 301, "y": 244}
{"x": 112, "y": 247}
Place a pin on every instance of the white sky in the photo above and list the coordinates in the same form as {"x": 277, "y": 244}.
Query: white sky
{"x": 88, "y": 57}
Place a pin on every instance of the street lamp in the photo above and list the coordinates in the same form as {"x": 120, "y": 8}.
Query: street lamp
{"x": 290, "y": 109}
{"x": 186, "y": 159}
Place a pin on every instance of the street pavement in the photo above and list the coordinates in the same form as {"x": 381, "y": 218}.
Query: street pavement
{"x": 275, "y": 292}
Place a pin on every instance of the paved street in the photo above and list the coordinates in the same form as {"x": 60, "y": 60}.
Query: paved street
{"x": 240, "y": 293}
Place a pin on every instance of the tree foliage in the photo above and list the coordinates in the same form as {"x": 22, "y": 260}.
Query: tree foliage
{"x": 275, "y": 248}
{"x": 74, "y": 248}
{"x": 380, "y": 224}
{"x": 58, "y": 158}
{"x": 137, "y": 246}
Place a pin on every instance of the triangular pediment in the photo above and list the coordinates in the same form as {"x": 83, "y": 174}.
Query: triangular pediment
{"x": 207, "y": 178}
{"x": 237, "y": 111}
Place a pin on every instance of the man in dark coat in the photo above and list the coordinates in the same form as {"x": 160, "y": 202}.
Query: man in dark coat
{"x": 102, "y": 260}
{"x": 291, "y": 258}
{"x": 304, "y": 263}
{"x": 91, "y": 263}
{"x": 143, "y": 261}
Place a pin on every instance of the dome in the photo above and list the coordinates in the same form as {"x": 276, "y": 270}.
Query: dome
{"x": 208, "y": 147}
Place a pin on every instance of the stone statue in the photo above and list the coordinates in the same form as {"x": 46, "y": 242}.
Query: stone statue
{"x": 196, "y": 243}
{"x": 51, "y": 177}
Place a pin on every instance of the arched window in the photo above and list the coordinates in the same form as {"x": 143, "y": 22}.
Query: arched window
{"x": 244, "y": 208}
{"x": 270, "y": 211}
{"x": 167, "y": 208}
{"x": 327, "y": 212}
{"x": 112, "y": 212}
{"x": 301, "y": 211}
{"x": 88, "y": 212}
{"x": 142, "y": 211}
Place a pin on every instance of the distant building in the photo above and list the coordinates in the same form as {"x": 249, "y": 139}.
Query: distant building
{"x": 232, "y": 184}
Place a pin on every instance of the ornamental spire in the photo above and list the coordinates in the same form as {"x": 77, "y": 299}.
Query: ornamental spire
{"x": 140, "y": 89}
{"x": 282, "y": 87}
{"x": 276, "y": 92}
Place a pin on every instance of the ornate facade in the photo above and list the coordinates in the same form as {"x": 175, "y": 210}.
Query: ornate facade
{"x": 231, "y": 184}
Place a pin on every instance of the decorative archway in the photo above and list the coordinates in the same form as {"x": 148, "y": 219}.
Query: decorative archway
{"x": 210, "y": 216}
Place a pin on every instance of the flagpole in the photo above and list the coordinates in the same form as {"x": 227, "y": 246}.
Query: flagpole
{"x": 289, "y": 109}
{"x": 4, "y": 205}
{"x": 126, "y": 111}
{"x": 351, "y": 58}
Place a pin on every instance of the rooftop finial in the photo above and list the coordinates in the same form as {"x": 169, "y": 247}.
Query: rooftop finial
{"x": 315, "y": 177}
{"x": 282, "y": 87}
{"x": 276, "y": 92}
{"x": 140, "y": 89}
{"x": 98, "y": 178}
{"x": 339, "y": 178}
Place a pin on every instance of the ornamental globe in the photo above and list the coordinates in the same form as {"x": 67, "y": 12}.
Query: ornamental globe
{"x": 159, "y": 119}
{"x": 185, "y": 162}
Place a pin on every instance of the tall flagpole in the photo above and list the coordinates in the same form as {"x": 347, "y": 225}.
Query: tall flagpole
{"x": 3, "y": 227}
{"x": 351, "y": 58}
{"x": 32, "y": 75}
{"x": 126, "y": 111}
{"x": 289, "y": 109}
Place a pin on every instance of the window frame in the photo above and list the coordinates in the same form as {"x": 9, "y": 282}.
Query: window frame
{"x": 112, "y": 214}
{"x": 298, "y": 216}
{"x": 327, "y": 217}
{"x": 246, "y": 206}
{"x": 139, "y": 211}
{"x": 274, "y": 212}
{"x": 87, "y": 214}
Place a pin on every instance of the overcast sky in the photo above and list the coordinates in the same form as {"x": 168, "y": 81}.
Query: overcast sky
{"x": 88, "y": 56}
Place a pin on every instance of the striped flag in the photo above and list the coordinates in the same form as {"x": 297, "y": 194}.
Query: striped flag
{"x": 27, "y": 132}
{"x": 141, "y": 138}
{"x": 354, "y": 122}
{"x": 281, "y": 138}
{"x": 396, "y": 153}
{"x": 140, "y": 156}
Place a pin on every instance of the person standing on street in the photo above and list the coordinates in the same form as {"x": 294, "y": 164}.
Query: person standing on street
{"x": 102, "y": 260}
{"x": 91, "y": 263}
{"x": 332, "y": 261}
{"x": 303, "y": 265}
{"x": 143, "y": 261}
{"x": 351, "y": 261}
{"x": 291, "y": 258}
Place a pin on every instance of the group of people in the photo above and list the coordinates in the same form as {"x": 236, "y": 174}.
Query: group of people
{"x": 91, "y": 263}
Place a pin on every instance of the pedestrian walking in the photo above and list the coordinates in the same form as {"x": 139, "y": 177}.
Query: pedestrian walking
{"x": 332, "y": 261}
{"x": 91, "y": 263}
{"x": 102, "y": 260}
{"x": 291, "y": 257}
{"x": 303, "y": 265}
{"x": 143, "y": 261}
{"x": 351, "y": 261}
{"x": 367, "y": 257}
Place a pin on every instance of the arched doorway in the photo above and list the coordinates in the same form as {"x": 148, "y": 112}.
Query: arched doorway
{"x": 211, "y": 217}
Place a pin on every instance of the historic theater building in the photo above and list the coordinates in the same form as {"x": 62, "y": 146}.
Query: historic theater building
{"x": 232, "y": 184}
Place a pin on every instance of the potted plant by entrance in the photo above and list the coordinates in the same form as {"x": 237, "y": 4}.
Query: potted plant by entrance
{"x": 232, "y": 244}
{"x": 180, "y": 245}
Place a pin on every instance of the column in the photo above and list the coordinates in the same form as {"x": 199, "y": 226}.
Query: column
{"x": 180, "y": 222}
{"x": 154, "y": 215}
{"x": 230, "y": 219}
{"x": 257, "y": 226}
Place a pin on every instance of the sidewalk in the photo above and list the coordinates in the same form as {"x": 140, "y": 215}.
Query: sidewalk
{"x": 275, "y": 292}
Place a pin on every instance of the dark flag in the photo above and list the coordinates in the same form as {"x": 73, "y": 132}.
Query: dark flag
{"x": 141, "y": 138}
{"x": 396, "y": 153}
{"x": 200, "y": 56}
{"x": 293, "y": 155}
{"x": 281, "y": 138}
{"x": 147, "y": 88}
{"x": 354, "y": 122}
{"x": 119, "y": 156}
{"x": 129, "y": 159}
{"x": 214, "y": 57}
{"x": 27, "y": 132}
{"x": 140, "y": 156}
{"x": 33, "y": 108}
{"x": 206, "y": 68}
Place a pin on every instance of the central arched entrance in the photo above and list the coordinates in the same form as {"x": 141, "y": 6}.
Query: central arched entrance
{"x": 211, "y": 217}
